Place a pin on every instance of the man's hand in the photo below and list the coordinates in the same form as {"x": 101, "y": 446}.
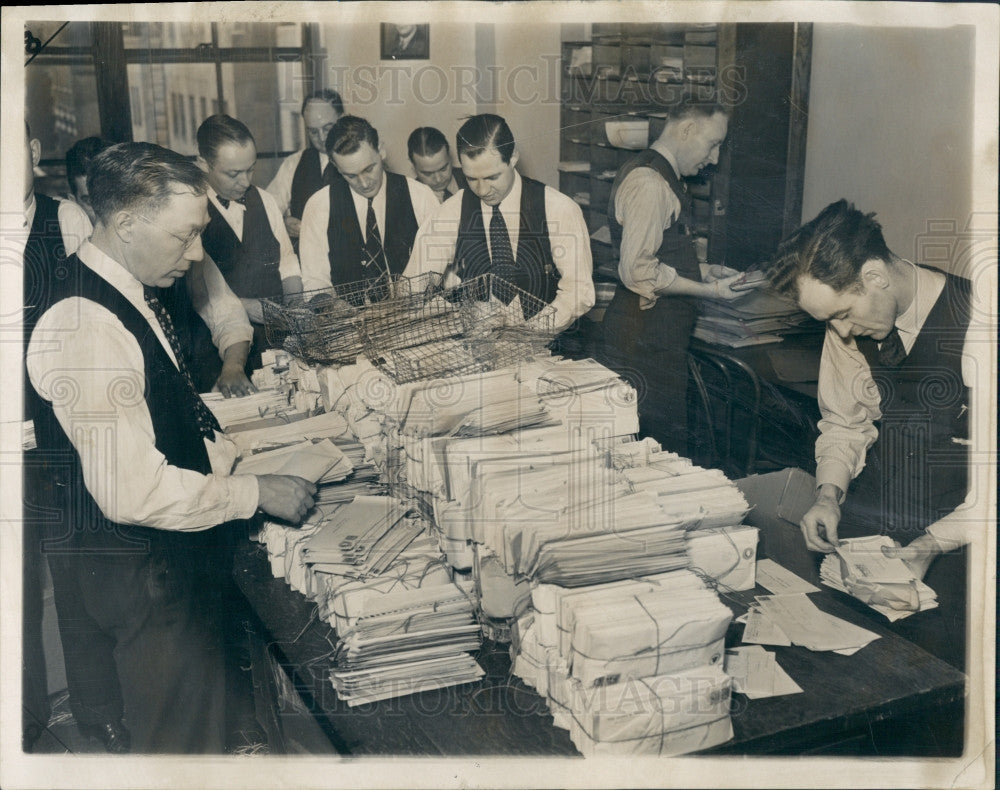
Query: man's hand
{"x": 918, "y": 555}
{"x": 293, "y": 226}
{"x": 719, "y": 288}
{"x": 819, "y": 524}
{"x": 255, "y": 312}
{"x": 712, "y": 272}
{"x": 286, "y": 497}
{"x": 233, "y": 382}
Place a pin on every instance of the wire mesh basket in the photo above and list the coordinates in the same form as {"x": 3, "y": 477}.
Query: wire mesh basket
{"x": 483, "y": 324}
{"x": 324, "y": 326}
{"x": 413, "y": 328}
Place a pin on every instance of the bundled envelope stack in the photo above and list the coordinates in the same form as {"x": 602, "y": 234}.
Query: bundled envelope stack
{"x": 630, "y": 667}
{"x": 888, "y": 585}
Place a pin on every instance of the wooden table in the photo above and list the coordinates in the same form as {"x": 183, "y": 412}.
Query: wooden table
{"x": 890, "y": 697}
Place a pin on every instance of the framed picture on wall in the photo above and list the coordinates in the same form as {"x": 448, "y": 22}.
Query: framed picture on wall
{"x": 405, "y": 42}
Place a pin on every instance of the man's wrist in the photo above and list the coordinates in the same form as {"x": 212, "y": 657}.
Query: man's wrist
{"x": 828, "y": 493}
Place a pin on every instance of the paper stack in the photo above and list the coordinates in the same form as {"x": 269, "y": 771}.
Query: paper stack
{"x": 888, "y": 585}
{"x": 757, "y": 318}
{"x": 630, "y": 667}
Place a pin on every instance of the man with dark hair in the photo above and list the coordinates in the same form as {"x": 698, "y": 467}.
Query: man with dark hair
{"x": 362, "y": 226}
{"x": 78, "y": 208}
{"x": 430, "y": 156}
{"x": 537, "y": 238}
{"x": 647, "y": 327}
{"x": 245, "y": 235}
{"x": 306, "y": 172}
{"x": 132, "y": 572}
{"x": 893, "y": 396}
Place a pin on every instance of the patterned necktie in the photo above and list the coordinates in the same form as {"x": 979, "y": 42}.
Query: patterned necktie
{"x": 373, "y": 239}
{"x": 501, "y": 254}
{"x": 890, "y": 350}
{"x": 207, "y": 424}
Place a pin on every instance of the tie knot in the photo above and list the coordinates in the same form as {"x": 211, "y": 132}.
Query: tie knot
{"x": 226, "y": 201}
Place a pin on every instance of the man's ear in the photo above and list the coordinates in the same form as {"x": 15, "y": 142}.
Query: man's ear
{"x": 875, "y": 274}
{"x": 381, "y": 150}
{"x": 36, "y": 152}
{"x": 123, "y": 224}
{"x": 514, "y": 157}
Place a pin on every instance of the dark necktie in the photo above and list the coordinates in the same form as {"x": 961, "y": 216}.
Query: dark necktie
{"x": 447, "y": 194}
{"x": 224, "y": 202}
{"x": 373, "y": 239}
{"x": 890, "y": 350}
{"x": 501, "y": 254}
{"x": 207, "y": 424}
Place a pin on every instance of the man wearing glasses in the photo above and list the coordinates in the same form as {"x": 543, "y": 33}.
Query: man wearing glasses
{"x": 146, "y": 475}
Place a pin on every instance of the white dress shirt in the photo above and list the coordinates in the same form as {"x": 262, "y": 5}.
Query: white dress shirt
{"x": 434, "y": 247}
{"x": 645, "y": 206}
{"x": 213, "y": 299}
{"x": 314, "y": 244}
{"x": 80, "y": 347}
{"x": 850, "y": 405}
{"x": 280, "y": 187}
{"x": 288, "y": 264}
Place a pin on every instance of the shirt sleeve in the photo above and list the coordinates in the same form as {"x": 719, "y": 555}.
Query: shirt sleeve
{"x": 95, "y": 381}
{"x": 645, "y": 206}
{"x": 425, "y": 202}
{"x": 314, "y": 246}
{"x": 288, "y": 263}
{"x": 434, "y": 244}
{"x": 74, "y": 225}
{"x": 570, "y": 244}
{"x": 280, "y": 187}
{"x": 849, "y": 406}
{"x": 220, "y": 308}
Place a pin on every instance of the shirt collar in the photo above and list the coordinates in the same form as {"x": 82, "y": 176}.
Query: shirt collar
{"x": 927, "y": 287}
{"x": 29, "y": 210}
{"x": 511, "y": 203}
{"x": 667, "y": 154}
{"x": 120, "y": 278}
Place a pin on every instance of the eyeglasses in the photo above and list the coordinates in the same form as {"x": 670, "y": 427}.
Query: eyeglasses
{"x": 187, "y": 241}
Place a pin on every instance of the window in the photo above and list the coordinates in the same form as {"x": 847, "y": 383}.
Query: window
{"x": 256, "y": 72}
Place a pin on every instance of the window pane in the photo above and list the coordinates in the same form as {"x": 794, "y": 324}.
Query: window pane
{"x": 61, "y": 108}
{"x": 170, "y": 95}
{"x": 166, "y": 35}
{"x": 267, "y": 97}
{"x": 260, "y": 34}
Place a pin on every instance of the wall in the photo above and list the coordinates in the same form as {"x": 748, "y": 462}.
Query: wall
{"x": 890, "y": 126}
{"x": 398, "y": 96}
{"x": 528, "y": 94}
{"x": 511, "y": 69}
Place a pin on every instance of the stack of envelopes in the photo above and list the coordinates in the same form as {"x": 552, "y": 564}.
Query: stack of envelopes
{"x": 888, "y": 585}
{"x": 630, "y": 667}
{"x": 408, "y": 641}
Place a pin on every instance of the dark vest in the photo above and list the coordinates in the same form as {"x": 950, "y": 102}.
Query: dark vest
{"x": 45, "y": 270}
{"x": 915, "y": 473}
{"x": 677, "y": 248}
{"x": 168, "y": 398}
{"x": 534, "y": 270}
{"x": 460, "y": 182}
{"x": 346, "y": 238}
{"x": 307, "y": 180}
{"x": 250, "y": 266}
